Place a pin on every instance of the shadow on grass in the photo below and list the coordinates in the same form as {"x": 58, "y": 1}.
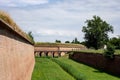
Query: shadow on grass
{"x": 46, "y": 57}
{"x": 98, "y": 71}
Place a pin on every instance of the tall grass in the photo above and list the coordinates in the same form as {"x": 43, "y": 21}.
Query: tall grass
{"x": 71, "y": 70}
{"x": 6, "y": 17}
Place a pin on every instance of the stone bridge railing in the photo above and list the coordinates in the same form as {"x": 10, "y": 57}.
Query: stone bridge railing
{"x": 16, "y": 53}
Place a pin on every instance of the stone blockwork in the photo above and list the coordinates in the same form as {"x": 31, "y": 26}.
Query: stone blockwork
{"x": 16, "y": 55}
{"x": 98, "y": 61}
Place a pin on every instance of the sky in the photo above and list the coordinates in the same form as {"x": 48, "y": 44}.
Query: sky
{"x": 51, "y": 20}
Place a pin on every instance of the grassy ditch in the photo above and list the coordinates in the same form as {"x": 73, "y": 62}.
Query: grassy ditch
{"x": 86, "y": 72}
{"x": 46, "y": 69}
{"x": 58, "y": 69}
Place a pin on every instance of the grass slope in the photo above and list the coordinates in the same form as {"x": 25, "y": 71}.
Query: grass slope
{"x": 89, "y": 72}
{"x": 70, "y": 69}
{"x": 101, "y": 51}
{"x": 60, "y": 45}
{"x": 46, "y": 69}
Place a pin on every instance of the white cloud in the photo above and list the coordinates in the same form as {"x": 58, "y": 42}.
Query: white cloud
{"x": 63, "y": 19}
{"x": 5, "y": 1}
{"x": 21, "y": 3}
{"x": 33, "y": 2}
{"x": 52, "y": 32}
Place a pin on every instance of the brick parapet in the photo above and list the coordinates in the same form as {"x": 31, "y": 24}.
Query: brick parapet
{"x": 16, "y": 30}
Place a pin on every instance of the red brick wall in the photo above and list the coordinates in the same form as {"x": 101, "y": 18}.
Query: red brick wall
{"x": 98, "y": 61}
{"x": 16, "y": 56}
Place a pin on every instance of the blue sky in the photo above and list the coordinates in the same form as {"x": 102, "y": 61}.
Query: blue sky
{"x": 60, "y": 19}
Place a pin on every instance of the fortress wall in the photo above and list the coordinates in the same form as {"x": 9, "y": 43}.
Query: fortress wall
{"x": 98, "y": 61}
{"x": 16, "y": 54}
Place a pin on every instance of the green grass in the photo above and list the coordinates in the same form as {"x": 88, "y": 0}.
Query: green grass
{"x": 101, "y": 51}
{"x": 117, "y": 51}
{"x": 70, "y": 69}
{"x": 93, "y": 51}
{"x": 66, "y": 69}
{"x": 60, "y": 45}
{"x": 46, "y": 69}
{"x": 89, "y": 72}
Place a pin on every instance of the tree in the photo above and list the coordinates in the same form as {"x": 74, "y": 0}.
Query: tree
{"x": 116, "y": 42}
{"x": 67, "y": 41}
{"x": 31, "y": 36}
{"x": 96, "y": 32}
{"x": 57, "y": 41}
{"x": 75, "y": 41}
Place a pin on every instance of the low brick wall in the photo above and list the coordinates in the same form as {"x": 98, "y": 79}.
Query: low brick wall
{"x": 98, "y": 61}
{"x": 16, "y": 54}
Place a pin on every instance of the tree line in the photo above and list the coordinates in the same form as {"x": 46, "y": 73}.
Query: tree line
{"x": 74, "y": 41}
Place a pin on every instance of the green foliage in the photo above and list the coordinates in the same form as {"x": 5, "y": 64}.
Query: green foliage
{"x": 109, "y": 52}
{"x": 57, "y": 41}
{"x": 46, "y": 69}
{"x": 67, "y": 41}
{"x": 96, "y": 32}
{"x": 31, "y": 36}
{"x": 116, "y": 42}
{"x": 70, "y": 69}
{"x": 75, "y": 41}
{"x": 83, "y": 43}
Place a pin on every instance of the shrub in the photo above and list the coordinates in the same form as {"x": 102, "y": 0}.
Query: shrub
{"x": 109, "y": 52}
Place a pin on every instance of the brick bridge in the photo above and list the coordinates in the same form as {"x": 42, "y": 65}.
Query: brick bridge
{"x": 55, "y": 49}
